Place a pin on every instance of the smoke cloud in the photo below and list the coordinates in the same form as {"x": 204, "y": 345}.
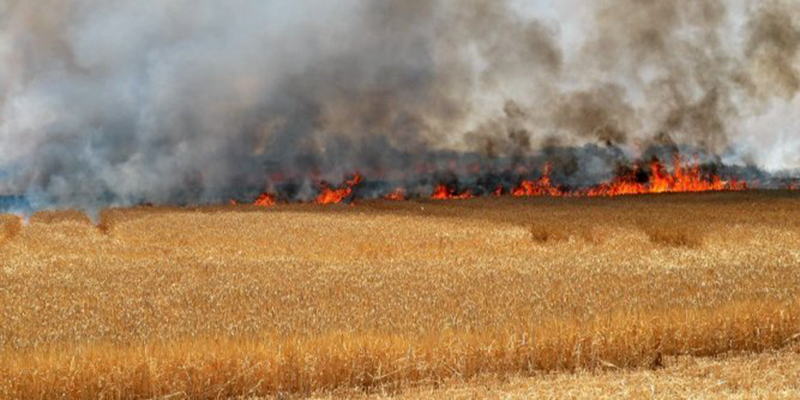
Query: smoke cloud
{"x": 116, "y": 102}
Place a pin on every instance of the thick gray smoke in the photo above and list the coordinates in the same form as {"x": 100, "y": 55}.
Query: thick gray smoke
{"x": 121, "y": 101}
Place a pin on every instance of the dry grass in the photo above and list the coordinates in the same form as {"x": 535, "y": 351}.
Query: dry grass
{"x": 222, "y": 302}
{"x": 769, "y": 375}
{"x": 10, "y": 226}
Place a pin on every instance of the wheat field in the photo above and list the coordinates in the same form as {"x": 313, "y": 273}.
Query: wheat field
{"x": 766, "y": 375}
{"x": 386, "y": 298}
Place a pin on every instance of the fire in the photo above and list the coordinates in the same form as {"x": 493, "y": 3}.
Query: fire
{"x": 442, "y": 192}
{"x": 397, "y": 195}
{"x": 650, "y": 179}
{"x": 265, "y": 200}
{"x": 355, "y": 180}
{"x": 683, "y": 179}
{"x": 333, "y": 196}
{"x": 329, "y": 195}
{"x": 620, "y": 186}
{"x": 541, "y": 187}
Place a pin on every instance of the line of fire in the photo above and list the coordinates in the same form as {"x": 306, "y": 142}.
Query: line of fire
{"x": 653, "y": 177}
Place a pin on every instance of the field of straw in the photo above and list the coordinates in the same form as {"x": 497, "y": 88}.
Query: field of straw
{"x": 463, "y": 298}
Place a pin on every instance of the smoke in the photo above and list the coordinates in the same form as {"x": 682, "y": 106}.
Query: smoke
{"x": 190, "y": 101}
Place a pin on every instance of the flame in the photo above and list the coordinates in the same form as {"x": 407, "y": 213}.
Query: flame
{"x": 442, "y": 192}
{"x": 265, "y": 200}
{"x": 329, "y": 195}
{"x": 683, "y": 179}
{"x": 354, "y": 181}
{"x": 397, "y": 195}
{"x": 333, "y": 196}
{"x": 541, "y": 187}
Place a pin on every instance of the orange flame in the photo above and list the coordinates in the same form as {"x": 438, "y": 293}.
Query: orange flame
{"x": 541, "y": 187}
{"x": 333, "y": 196}
{"x": 265, "y": 200}
{"x": 683, "y": 179}
{"x": 397, "y": 195}
{"x": 354, "y": 181}
{"x": 442, "y": 192}
{"x": 328, "y": 195}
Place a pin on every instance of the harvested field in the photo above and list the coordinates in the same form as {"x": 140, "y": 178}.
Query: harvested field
{"x": 384, "y": 297}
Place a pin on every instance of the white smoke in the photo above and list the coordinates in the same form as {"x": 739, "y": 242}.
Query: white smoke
{"x": 121, "y": 101}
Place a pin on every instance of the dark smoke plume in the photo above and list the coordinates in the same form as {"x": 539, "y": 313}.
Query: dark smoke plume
{"x": 116, "y": 102}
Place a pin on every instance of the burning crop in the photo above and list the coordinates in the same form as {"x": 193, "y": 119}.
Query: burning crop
{"x": 419, "y": 191}
{"x": 330, "y": 195}
{"x": 187, "y": 110}
{"x": 683, "y": 179}
{"x": 265, "y": 200}
{"x": 445, "y": 192}
{"x": 541, "y": 187}
{"x": 639, "y": 179}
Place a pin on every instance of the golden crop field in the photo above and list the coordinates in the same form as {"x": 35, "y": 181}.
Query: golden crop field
{"x": 766, "y": 375}
{"x": 387, "y": 298}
